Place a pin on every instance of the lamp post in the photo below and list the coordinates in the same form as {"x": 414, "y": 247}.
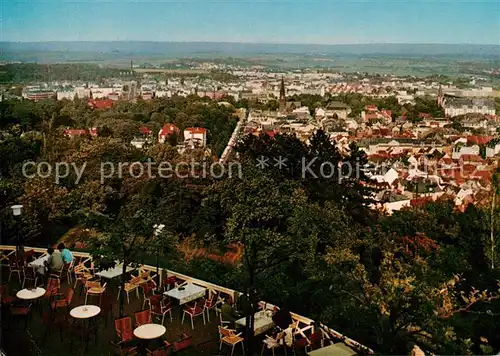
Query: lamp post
{"x": 158, "y": 228}
{"x": 16, "y": 211}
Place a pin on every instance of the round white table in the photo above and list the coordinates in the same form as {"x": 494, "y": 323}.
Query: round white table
{"x": 28, "y": 294}
{"x": 85, "y": 311}
{"x": 149, "y": 331}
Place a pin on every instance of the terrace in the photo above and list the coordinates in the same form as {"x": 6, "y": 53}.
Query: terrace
{"x": 45, "y": 328}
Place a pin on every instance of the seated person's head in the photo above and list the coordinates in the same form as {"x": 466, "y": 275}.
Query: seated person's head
{"x": 61, "y": 246}
{"x": 50, "y": 250}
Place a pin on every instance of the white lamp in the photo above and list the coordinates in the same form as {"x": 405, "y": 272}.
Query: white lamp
{"x": 16, "y": 209}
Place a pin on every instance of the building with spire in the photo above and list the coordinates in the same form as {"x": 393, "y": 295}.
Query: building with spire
{"x": 440, "y": 96}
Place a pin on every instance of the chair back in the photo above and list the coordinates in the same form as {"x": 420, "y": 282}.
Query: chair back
{"x": 223, "y": 332}
{"x": 170, "y": 281}
{"x": 142, "y": 317}
{"x": 93, "y": 284}
{"x": 53, "y": 285}
{"x": 135, "y": 280}
{"x": 66, "y": 267}
{"x": 80, "y": 268}
{"x": 13, "y": 262}
{"x": 316, "y": 338}
{"x": 156, "y": 304}
{"x": 123, "y": 328}
{"x": 147, "y": 289}
{"x": 69, "y": 296}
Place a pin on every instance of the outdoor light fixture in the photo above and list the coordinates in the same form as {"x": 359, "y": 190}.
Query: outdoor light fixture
{"x": 16, "y": 209}
{"x": 157, "y": 230}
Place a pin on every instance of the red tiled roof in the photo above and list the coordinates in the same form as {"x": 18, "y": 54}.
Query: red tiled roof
{"x": 485, "y": 175}
{"x": 168, "y": 129}
{"x": 471, "y": 158}
{"x": 196, "y": 130}
{"x": 478, "y": 140}
{"x": 145, "y": 131}
{"x": 101, "y": 104}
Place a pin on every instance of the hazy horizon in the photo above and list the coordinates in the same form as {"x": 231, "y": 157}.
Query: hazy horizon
{"x": 275, "y": 22}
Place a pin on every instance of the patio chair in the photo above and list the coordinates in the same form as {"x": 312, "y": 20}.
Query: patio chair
{"x": 185, "y": 342}
{"x": 124, "y": 331}
{"x": 5, "y": 296}
{"x": 166, "y": 350}
{"x": 147, "y": 293}
{"x": 161, "y": 308}
{"x": 54, "y": 322}
{"x": 170, "y": 283}
{"x": 30, "y": 275}
{"x": 211, "y": 303}
{"x": 315, "y": 341}
{"x": 14, "y": 267}
{"x": 64, "y": 302}
{"x": 67, "y": 271}
{"x": 94, "y": 288}
{"x": 193, "y": 311}
{"x": 130, "y": 286}
{"x": 300, "y": 344}
{"x": 21, "y": 311}
{"x": 273, "y": 343}
{"x": 56, "y": 273}
{"x": 145, "y": 277}
{"x": 229, "y": 337}
{"x": 82, "y": 275}
{"x": 124, "y": 350}
{"x": 52, "y": 289}
{"x": 107, "y": 306}
{"x": 142, "y": 317}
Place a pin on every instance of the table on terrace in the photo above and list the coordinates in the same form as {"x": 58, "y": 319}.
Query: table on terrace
{"x": 39, "y": 262}
{"x": 263, "y": 321}
{"x": 114, "y": 272}
{"x": 187, "y": 293}
{"x": 338, "y": 349}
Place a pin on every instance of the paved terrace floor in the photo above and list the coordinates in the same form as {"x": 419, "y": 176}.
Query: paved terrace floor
{"x": 16, "y": 340}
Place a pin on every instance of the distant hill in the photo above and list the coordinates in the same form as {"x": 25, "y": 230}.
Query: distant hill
{"x": 10, "y": 50}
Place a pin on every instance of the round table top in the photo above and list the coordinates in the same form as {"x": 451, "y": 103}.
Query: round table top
{"x": 85, "y": 311}
{"x": 29, "y": 294}
{"x": 149, "y": 331}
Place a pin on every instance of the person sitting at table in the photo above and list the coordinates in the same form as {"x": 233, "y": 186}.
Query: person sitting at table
{"x": 66, "y": 254}
{"x": 55, "y": 261}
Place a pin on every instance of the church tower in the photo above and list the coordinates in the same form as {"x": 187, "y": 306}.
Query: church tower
{"x": 282, "y": 101}
{"x": 440, "y": 96}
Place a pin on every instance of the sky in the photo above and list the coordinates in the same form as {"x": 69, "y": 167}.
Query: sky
{"x": 264, "y": 21}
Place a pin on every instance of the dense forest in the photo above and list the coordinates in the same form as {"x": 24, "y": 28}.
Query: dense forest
{"x": 31, "y": 72}
{"x": 426, "y": 275}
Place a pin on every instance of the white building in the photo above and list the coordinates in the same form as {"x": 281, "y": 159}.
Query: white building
{"x": 195, "y": 137}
